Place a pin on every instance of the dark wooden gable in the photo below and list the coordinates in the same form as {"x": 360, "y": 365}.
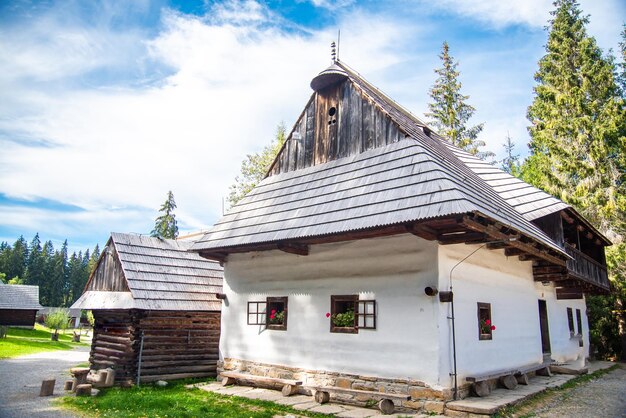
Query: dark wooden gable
{"x": 339, "y": 121}
{"x": 108, "y": 275}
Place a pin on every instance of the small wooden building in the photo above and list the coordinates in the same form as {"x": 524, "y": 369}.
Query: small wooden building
{"x": 155, "y": 308}
{"x": 18, "y": 305}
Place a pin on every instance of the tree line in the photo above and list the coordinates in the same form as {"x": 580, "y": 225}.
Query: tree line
{"x": 61, "y": 277}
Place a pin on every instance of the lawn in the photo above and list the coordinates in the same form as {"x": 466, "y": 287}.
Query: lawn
{"x": 20, "y": 341}
{"x": 174, "y": 400}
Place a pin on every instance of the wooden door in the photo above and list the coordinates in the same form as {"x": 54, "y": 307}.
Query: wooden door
{"x": 543, "y": 325}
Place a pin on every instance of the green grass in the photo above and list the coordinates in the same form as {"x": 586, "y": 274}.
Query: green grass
{"x": 174, "y": 400}
{"x": 20, "y": 341}
{"x": 526, "y": 408}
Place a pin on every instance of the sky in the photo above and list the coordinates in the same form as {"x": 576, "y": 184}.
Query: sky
{"x": 107, "y": 105}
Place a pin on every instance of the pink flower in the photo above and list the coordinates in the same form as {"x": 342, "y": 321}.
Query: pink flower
{"x": 488, "y": 322}
{"x": 272, "y": 316}
{"x": 273, "y": 311}
{"x": 327, "y": 314}
{"x": 493, "y": 327}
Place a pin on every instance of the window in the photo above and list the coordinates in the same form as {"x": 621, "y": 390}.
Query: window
{"x": 277, "y": 313}
{"x": 579, "y": 322}
{"x": 570, "y": 322}
{"x": 257, "y": 313}
{"x": 348, "y": 314}
{"x": 485, "y": 327}
{"x": 272, "y": 313}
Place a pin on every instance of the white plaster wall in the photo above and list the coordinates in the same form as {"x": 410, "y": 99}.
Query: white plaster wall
{"x": 392, "y": 270}
{"x": 507, "y": 284}
{"x": 564, "y": 348}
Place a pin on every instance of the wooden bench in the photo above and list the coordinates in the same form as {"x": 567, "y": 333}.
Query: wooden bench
{"x": 481, "y": 385}
{"x": 290, "y": 387}
{"x": 385, "y": 400}
{"x": 542, "y": 369}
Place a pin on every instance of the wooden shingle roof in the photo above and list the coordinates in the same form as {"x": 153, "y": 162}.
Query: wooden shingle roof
{"x": 14, "y": 296}
{"x": 160, "y": 274}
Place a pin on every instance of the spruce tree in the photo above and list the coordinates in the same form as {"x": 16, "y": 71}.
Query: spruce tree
{"x": 255, "y": 167}
{"x": 165, "y": 224}
{"x": 17, "y": 259}
{"x": 46, "y": 288}
{"x": 35, "y": 267}
{"x": 578, "y": 151}
{"x": 449, "y": 113}
{"x": 510, "y": 163}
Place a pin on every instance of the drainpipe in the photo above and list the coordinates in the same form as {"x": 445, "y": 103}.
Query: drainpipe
{"x": 139, "y": 363}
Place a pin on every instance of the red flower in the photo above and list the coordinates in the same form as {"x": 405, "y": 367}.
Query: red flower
{"x": 488, "y": 322}
{"x": 327, "y": 314}
{"x": 272, "y": 316}
{"x": 493, "y": 327}
{"x": 273, "y": 311}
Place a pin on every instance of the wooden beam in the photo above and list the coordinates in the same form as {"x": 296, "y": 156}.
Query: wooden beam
{"x": 497, "y": 245}
{"x": 422, "y": 231}
{"x": 566, "y": 217}
{"x": 467, "y": 237}
{"x": 512, "y": 252}
{"x": 294, "y": 248}
{"x": 563, "y": 293}
{"x": 217, "y": 256}
{"x": 518, "y": 243}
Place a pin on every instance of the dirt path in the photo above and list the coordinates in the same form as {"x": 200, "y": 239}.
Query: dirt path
{"x": 604, "y": 397}
{"x": 20, "y": 381}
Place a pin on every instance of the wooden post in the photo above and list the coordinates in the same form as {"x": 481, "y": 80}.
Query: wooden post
{"x": 386, "y": 406}
{"x": 289, "y": 390}
{"x": 509, "y": 382}
{"x": 544, "y": 372}
{"x": 47, "y": 387}
{"x": 522, "y": 379}
{"x": 322, "y": 397}
{"x": 227, "y": 381}
{"x": 481, "y": 389}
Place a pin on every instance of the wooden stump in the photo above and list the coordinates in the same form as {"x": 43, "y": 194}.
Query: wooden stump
{"x": 544, "y": 372}
{"x": 83, "y": 390}
{"x": 69, "y": 385}
{"x": 54, "y": 337}
{"x": 47, "y": 387}
{"x": 509, "y": 382}
{"x": 386, "y": 406}
{"x": 289, "y": 390}
{"x": 481, "y": 389}
{"x": 227, "y": 381}
{"x": 322, "y": 397}
{"x": 76, "y": 337}
{"x": 522, "y": 379}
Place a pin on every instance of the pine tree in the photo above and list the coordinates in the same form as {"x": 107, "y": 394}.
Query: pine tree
{"x": 58, "y": 277}
{"x": 165, "y": 224}
{"x": 510, "y": 163}
{"x": 621, "y": 75}
{"x": 35, "y": 267}
{"x": 449, "y": 112}
{"x": 17, "y": 259}
{"x": 46, "y": 288}
{"x": 578, "y": 151}
{"x": 93, "y": 259}
{"x": 255, "y": 167}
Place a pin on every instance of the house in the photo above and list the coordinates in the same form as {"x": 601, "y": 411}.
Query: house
{"x": 376, "y": 256}
{"x": 18, "y": 305}
{"x": 155, "y": 309}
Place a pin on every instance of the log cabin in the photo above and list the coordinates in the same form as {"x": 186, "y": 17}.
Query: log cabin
{"x": 18, "y": 305}
{"x": 377, "y": 256}
{"x": 156, "y": 313}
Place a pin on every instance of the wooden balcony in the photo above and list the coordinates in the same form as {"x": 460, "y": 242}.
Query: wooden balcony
{"x": 585, "y": 268}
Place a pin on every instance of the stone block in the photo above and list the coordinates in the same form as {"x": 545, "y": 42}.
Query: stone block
{"x": 417, "y": 405}
{"x": 433, "y": 406}
{"x": 342, "y": 382}
{"x": 364, "y": 386}
{"x": 83, "y": 390}
{"x": 417, "y": 392}
{"x": 47, "y": 387}
{"x": 456, "y": 414}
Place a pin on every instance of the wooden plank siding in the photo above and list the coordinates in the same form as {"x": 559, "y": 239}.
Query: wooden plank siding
{"x": 109, "y": 275}
{"x": 18, "y": 317}
{"x": 176, "y": 344}
{"x": 357, "y": 125}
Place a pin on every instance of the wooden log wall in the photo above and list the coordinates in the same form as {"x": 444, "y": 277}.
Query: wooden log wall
{"x": 338, "y": 121}
{"x": 176, "y": 344}
{"x": 18, "y": 317}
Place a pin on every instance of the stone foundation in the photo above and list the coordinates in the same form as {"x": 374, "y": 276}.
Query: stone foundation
{"x": 423, "y": 397}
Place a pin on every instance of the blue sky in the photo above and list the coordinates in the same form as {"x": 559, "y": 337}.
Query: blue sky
{"x": 107, "y": 105}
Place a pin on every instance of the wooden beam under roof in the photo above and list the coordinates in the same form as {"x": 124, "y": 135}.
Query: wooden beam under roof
{"x": 294, "y": 248}
{"x": 422, "y": 231}
{"x": 496, "y": 233}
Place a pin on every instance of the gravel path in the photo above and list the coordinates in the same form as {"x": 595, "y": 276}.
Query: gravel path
{"x": 604, "y": 397}
{"x": 20, "y": 381}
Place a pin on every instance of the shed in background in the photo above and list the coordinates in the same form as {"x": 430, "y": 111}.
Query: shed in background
{"x": 156, "y": 313}
{"x": 18, "y": 305}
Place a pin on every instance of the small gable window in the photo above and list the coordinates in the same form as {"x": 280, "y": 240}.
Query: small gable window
{"x": 485, "y": 326}
{"x": 348, "y": 314}
{"x": 272, "y": 312}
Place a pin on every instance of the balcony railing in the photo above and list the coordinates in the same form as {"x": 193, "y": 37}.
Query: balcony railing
{"x": 586, "y": 268}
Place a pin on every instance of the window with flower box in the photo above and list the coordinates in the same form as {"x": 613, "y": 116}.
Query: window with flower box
{"x": 485, "y": 326}
{"x": 348, "y": 314}
{"x": 272, "y": 312}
